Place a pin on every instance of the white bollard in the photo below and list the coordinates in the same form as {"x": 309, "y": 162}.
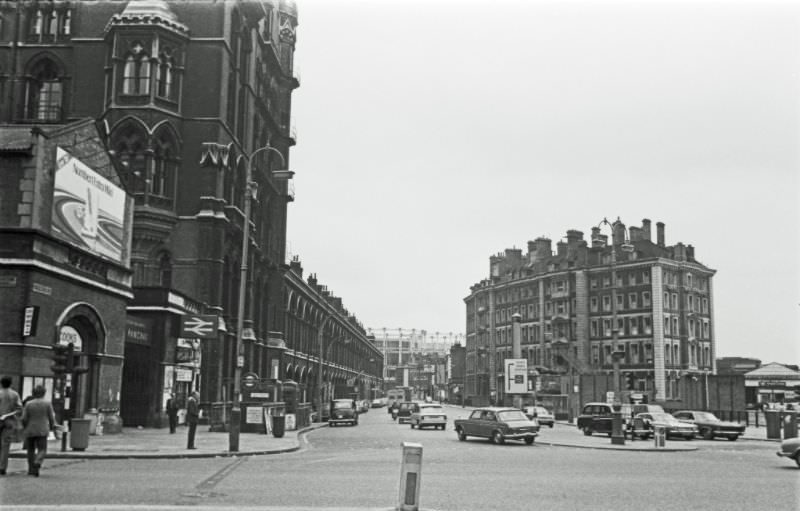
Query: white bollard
{"x": 410, "y": 477}
{"x": 660, "y": 436}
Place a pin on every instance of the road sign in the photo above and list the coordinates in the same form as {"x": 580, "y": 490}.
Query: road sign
{"x": 199, "y": 326}
{"x": 516, "y": 370}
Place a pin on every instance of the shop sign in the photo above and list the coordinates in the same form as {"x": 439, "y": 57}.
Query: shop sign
{"x": 771, "y": 383}
{"x": 69, "y": 335}
{"x": 137, "y": 331}
{"x": 29, "y": 321}
{"x": 183, "y": 374}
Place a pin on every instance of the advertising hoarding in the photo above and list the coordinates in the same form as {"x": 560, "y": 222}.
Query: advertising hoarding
{"x": 516, "y": 375}
{"x": 88, "y": 209}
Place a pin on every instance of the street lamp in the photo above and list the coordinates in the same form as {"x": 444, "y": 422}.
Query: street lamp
{"x": 626, "y": 247}
{"x": 321, "y": 361}
{"x": 251, "y": 188}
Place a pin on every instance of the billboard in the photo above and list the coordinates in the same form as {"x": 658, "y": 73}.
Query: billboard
{"x": 88, "y": 209}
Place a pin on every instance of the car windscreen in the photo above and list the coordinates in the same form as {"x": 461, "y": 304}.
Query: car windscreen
{"x": 511, "y": 415}
{"x": 663, "y": 417}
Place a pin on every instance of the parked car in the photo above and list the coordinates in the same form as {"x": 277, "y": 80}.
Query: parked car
{"x": 597, "y": 417}
{"x": 709, "y": 426}
{"x": 673, "y": 427}
{"x": 378, "y": 402}
{"x": 428, "y": 414}
{"x": 405, "y": 410}
{"x": 343, "y": 411}
{"x": 790, "y": 448}
{"x": 498, "y": 425}
{"x": 363, "y": 406}
{"x": 541, "y": 414}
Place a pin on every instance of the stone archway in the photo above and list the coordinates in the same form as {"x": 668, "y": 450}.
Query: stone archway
{"x": 81, "y": 325}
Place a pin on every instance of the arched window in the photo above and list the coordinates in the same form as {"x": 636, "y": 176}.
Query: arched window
{"x": 136, "y": 72}
{"x": 165, "y": 167}
{"x": 165, "y": 270}
{"x": 166, "y": 77}
{"x": 45, "y": 92}
{"x": 129, "y": 141}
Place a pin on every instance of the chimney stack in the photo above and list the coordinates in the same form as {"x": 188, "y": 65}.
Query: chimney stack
{"x": 660, "y": 234}
{"x": 646, "y": 229}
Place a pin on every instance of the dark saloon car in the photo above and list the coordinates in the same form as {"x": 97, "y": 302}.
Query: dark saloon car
{"x": 405, "y": 410}
{"x": 343, "y": 411}
{"x": 709, "y": 426}
{"x": 498, "y": 425}
{"x": 598, "y": 417}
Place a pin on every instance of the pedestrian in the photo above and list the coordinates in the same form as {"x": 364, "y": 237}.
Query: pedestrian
{"x": 172, "y": 412}
{"x": 192, "y": 414}
{"x": 39, "y": 420}
{"x": 10, "y": 409}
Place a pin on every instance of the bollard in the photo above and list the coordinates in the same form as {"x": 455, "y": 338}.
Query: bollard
{"x": 660, "y": 436}
{"x": 617, "y": 433}
{"x": 410, "y": 477}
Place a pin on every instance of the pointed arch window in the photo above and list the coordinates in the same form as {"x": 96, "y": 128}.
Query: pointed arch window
{"x": 51, "y": 23}
{"x": 165, "y": 270}
{"x": 166, "y": 74}
{"x": 129, "y": 142}
{"x": 161, "y": 187}
{"x": 44, "y": 92}
{"x": 136, "y": 72}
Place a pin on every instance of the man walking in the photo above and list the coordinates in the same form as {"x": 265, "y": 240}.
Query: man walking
{"x": 39, "y": 420}
{"x": 10, "y": 409}
{"x": 172, "y": 412}
{"x": 192, "y": 414}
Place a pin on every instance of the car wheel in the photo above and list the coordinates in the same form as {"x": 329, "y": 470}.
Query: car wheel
{"x": 587, "y": 431}
{"x": 733, "y": 438}
{"x": 498, "y": 438}
{"x": 529, "y": 440}
{"x": 707, "y": 434}
{"x": 461, "y": 435}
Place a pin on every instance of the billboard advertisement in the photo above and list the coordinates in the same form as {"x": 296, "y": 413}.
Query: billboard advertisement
{"x": 88, "y": 209}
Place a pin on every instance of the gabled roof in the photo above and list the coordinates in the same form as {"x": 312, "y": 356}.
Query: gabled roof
{"x": 774, "y": 371}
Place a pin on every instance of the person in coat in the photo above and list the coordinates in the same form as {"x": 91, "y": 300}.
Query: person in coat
{"x": 39, "y": 420}
{"x": 172, "y": 412}
{"x": 10, "y": 408}
{"x": 192, "y": 415}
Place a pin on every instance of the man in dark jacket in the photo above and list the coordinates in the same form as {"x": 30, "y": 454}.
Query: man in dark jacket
{"x": 39, "y": 420}
{"x": 172, "y": 412}
{"x": 192, "y": 415}
{"x": 10, "y": 408}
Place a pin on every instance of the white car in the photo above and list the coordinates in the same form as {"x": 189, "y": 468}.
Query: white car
{"x": 542, "y": 414}
{"x": 428, "y": 414}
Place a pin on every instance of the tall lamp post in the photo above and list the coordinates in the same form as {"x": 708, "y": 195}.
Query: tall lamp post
{"x": 616, "y": 354}
{"x": 251, "y": 188}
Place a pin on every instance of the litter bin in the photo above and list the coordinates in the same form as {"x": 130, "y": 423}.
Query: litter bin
{"x": 773, "y": 420}
{"x": 789, "y": 424}
{"x": 278, "y": 425}
{"x": 660, "y": 436}
{"x": 79, "y": 434}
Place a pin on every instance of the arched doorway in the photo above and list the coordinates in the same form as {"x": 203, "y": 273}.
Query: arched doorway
{"x": 81, "y": 325}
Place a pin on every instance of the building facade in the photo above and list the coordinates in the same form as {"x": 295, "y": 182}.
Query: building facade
{"x": 185, "y": 95}
{"x": 626, "y": 300}
{"x": 402, "y": 347}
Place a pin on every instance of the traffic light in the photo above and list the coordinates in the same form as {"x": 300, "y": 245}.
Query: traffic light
{"x": 62, "y": 359}
{"x": 630, "y": 381}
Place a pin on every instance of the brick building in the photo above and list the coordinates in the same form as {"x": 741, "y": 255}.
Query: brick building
{"x": 183, "y": 93}
{"x": 648, "y": 304}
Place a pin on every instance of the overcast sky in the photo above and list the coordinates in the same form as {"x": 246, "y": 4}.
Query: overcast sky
{"x": 432, "y": 134}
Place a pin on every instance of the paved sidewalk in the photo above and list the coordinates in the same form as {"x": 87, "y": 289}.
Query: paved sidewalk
{"x": 159, "y": 443}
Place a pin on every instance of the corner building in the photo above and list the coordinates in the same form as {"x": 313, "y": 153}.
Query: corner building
{"x": 648, "y": 303}
{"x": 184, "y": 93}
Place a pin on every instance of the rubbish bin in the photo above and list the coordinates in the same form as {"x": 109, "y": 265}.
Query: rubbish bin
{"x": 278, "y": 426}
{"x": 789, "y": 424}
{"x": 773, "y": 420}
{"x": 660, "y": 436}
{"x": 79, "y": 434}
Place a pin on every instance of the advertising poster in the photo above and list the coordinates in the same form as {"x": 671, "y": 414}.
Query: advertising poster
{"x": 88, "y": 209}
